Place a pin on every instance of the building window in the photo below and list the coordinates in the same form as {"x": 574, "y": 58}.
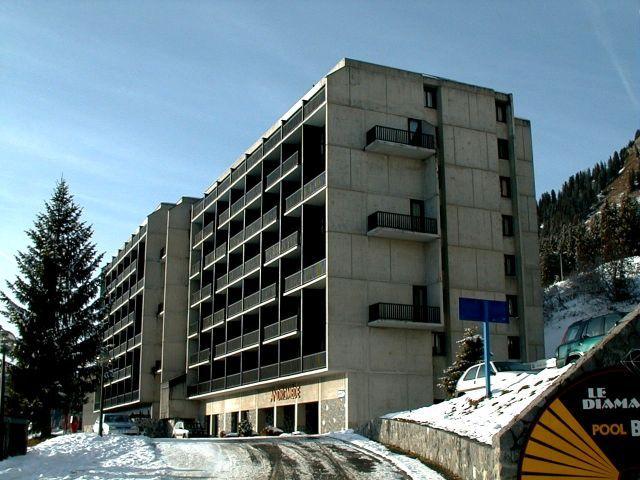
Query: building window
{"x": 505, "y": 187}
{"x": 503, "y": 149}
{"x": 507, "y": 225}
{"x": 513, "y": 347}
{"x": 501, "y": 112}
{"x": 430, "y": 99}
{"x": 510, "y": 265}
{"x": 512, "y": 305}
{"x": 439, "y": 344}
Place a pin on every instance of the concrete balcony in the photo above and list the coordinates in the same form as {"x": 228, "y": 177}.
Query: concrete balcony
{"x": 402, "y": 227}
{"x": 394, "y": 315}
{"x": 400, "y": 143}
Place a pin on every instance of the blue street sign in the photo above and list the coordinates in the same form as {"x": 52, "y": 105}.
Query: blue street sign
{"x": 485, "y": 311}
{"x": 474, "y": 309}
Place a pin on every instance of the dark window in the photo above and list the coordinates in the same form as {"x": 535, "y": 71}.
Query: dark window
{"x": 507, "y": 225}
{"x": 512, "y": 305}
{"x": 595, "y": 327}
{"x": 505, "y": 187}
{"x": 513, "y": 348}
{"x": 503, "y": 149}
{"x": 510, "y": 265}
{"x": 501, "y": 112}
{"x": 419, "y": 296}
{"x": 417, "y": 208}
{"x": 430, "y": 99}
{"x": 439, "y": 344}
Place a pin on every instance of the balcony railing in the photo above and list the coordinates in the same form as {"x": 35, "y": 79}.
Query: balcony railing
{"x": 218, "y": 317}
{"x": 253, "y": 193}
{"x": 221, "y": 251}
{"x": 273, "y": 140}
{"x": 204, "y": 293}
{"x": 250, "y": 339}
{"x": 134, "y": 342}
{"x": 288, "y": 325}
{"x": 238, "y": 172}
{"x": 254, "y": 158}
{"x": 286, "y": 244}
{"x": 237, "y": 206}
{"x": 314, "y": 271}
{"x": 200, "y": 357}
{"x": 252, "y": 264}
{"x": 235, "y": 309}
{"x": 233, "y": 380}
{"x": 314, "y": 361}
{"x": 313, "y": 103}
{"x": 403, "y": 137}
{"x": 234, "y": 344}
{"x": 207, "y": 322}
{"x": 205, "y": 233}
{"x": 404, "y": 313}
{"x": 269, "y": 371}
{"x": 221, "y": 349}
{"x": 250, "y": 376}
{"x": 251, "y": 301}
{"x": 222, "y": 282}
{"x": 195, "y": 268}
{"x": 399, "y": 221}
{"x": 289, "y": 367}
{"x": 281, "y": 171}
{"x": 224, "y": 216}
{"x": 236, "y": 274}
{"x": 310, "y": 188}
{"x": 292, "y": 123}
{"x": 197, "y": 208}
{"x": 236, "y": 240}
{"x": 209, "y": 259}
{"x": 194, "y": 325}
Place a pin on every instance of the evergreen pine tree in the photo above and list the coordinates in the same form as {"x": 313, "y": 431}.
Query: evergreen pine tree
{"x": 629, "y": 227}
{"x": 55, "y": 306}
{"x": 470, "y": 352}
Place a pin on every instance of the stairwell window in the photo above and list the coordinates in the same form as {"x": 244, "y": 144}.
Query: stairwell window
{"x": 513, "y": 347}
{"x": 501, "y": 112}
{"x": 503, "y": 149}
{"x": 505, "y": 187}
{"x": 430, "y": 99}
{"x": 512, "y": 305}
{"x": 510, "y": 265}
{"x": 507, "y": 225}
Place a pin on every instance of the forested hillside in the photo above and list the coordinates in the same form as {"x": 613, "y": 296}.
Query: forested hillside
{"x": 594, "y": 219}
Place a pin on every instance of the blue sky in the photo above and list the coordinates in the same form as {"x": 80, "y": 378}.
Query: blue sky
{"x": 141, "y": 102}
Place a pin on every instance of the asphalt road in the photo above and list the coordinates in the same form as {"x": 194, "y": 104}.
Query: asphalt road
{"x": 274, "y": 458}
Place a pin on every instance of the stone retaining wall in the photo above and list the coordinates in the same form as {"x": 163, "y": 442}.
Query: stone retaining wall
{"x": 461, "y": 456}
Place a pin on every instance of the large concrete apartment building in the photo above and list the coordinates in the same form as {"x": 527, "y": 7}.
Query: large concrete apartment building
{"x": 325, "y": 266}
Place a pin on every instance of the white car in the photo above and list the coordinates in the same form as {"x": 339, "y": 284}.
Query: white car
{"x": 503, "y": 374}
{"x": 116, "y": 423}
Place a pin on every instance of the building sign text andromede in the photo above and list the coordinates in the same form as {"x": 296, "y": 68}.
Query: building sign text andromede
{"x": 288, "y": 393}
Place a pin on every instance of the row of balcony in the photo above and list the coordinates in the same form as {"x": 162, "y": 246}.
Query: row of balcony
{"x": 286, "y": 245}
{"x": 118, "y": 375}
{"x": 118, "y": 400}
{"x": 119, "y": 325}
{"x": 268, "y": 144}
{"x": 235, "y": 345}
{"x": 284, "y": 368}
{"x": 122, "y": 276}
{"x": 126, "y": 346}
{"x": 238, "y": 273}
{"x": 282, "y": 171}
{"x": 126, "y": 249}
{"x": 127, "y": 295}
{"x": 305, "y": 276}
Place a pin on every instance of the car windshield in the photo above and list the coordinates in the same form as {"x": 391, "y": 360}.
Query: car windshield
{"x": 116, "y": 418}
{"x": 511, "y": 367}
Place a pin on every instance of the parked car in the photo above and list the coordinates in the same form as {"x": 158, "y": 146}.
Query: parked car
{"x": 187, "y": 429}
{"x": 502, "y": 374}
{"x": 116, "y": 423}
{"x": 583, "y": 335}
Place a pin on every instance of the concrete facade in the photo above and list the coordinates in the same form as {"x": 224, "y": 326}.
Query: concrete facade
{"x": 387, "y": 343}
{"x": 148, "y": 273}
{"x": 316, "y": 284}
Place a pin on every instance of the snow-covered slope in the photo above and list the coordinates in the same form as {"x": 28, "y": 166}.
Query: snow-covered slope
{"x": 572, "y": 300}
{"x": 475, "y": 416}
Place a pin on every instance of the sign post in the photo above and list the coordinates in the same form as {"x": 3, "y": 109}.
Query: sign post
{"x": 485, "y": 311}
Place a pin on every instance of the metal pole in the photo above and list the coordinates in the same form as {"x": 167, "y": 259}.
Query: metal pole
{"x": 101, "y": 397}
{"x": 487, "y": 347}
{"x": 2, "y": 429}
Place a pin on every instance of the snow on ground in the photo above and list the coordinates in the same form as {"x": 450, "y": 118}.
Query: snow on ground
{"x": 475, "y": 416}
{"x": 570, "y": 300}
{"x": 89, "y": 457}
{"x": 411, "y": 466}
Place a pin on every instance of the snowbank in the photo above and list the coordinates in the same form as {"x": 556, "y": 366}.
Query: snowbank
{"x": 86, "y": 456}
{"x": 477, "y": 417}
{"x": 569, "y": 301}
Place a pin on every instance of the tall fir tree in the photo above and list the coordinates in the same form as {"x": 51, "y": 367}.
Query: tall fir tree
{"x": 55, "y": 306}
{"x": 470, "y": 351}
